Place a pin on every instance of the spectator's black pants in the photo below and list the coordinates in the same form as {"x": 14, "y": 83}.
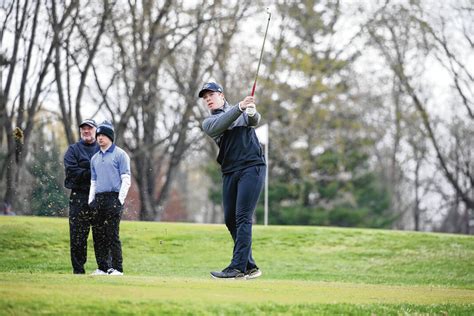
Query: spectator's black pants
{"x": 81, "y": 218}
{"x": 109, "y": 213}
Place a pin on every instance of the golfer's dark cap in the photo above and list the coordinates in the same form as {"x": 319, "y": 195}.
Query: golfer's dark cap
{"x": 210, "y": 86}
{"x": 89, "y": 122}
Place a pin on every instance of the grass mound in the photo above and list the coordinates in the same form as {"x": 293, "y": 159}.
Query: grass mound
{"x": 307, "y": 270}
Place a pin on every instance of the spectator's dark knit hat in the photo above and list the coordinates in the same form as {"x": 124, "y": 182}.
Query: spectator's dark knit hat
{"x": 105, "y": 128}
{"x": 210, "y": 86}
{"x": 89, "y": 122}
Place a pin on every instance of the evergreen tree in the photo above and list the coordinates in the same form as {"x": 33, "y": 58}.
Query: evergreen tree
{"x": 48, "y": 196}
{"x": 320, "y": 141}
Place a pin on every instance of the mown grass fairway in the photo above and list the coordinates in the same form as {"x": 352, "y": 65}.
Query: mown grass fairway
{"x": 307, "y": 270}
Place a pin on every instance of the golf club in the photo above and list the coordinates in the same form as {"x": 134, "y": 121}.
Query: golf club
{"x": 261, "y": 53}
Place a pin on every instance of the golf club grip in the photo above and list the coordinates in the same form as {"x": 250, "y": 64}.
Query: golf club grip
{"x": 253, "y": 88}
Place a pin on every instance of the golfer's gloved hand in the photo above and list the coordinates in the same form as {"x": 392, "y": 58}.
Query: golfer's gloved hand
{"x": 251, "y": 110}
{"x": 248, "y": 100}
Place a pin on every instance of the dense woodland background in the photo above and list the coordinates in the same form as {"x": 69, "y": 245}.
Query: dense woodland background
{"x": 370, "y": 105}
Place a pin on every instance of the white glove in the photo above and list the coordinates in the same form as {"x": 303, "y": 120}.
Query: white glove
{"x": 251, "y": 110}
{"x": 92, "y": 191}
{"x": 126, "y": 182}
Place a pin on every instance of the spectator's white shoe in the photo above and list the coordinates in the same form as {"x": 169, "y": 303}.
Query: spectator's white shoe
{"x": 99, "y": 272}
{"x": 112, "y": 271}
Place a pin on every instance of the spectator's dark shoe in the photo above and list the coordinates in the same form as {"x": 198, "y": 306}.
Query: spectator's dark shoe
{"x": 228, "y": 273}
{"x": 253, "y": 273}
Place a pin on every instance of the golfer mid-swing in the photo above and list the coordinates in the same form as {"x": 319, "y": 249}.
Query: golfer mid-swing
{"x": 243, "y": 172}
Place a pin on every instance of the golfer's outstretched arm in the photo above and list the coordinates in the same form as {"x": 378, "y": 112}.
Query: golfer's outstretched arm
{"x": 217, "y": 124}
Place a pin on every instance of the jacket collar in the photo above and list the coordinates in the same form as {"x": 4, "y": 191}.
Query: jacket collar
{"x": 221, "y": 109}
{"x": 110, "y": 149}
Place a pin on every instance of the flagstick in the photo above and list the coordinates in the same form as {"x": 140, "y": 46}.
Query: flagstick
{"x": 266, "y": 184}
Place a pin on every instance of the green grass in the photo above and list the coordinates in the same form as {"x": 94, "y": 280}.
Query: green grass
{"x": 307, "y": 271}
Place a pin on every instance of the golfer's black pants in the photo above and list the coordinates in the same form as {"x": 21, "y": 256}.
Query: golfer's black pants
{"x": 109, "y": 213}
{"x": 241, "y": 190}
{"x": 81, "y": 218}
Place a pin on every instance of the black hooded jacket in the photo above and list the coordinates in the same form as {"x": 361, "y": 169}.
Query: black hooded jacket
{"x": 234, "y": 133}
{"x": 77, "y": 166}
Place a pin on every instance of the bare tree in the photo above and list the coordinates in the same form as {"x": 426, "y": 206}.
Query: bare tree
{"x": 76, "y": 46}
{"x": 27, "y": 61}
{"x": 449, "y": 54}
{"x": 398, "y": 32}
{"x": 160, "y": 55}
{"x": 461, "y": 154}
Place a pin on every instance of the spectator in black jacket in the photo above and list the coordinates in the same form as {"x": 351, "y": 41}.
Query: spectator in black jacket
{"x": 78, "y": 179}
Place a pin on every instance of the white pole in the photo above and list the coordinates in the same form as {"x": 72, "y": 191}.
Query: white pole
{"x": 264, "y": 139}
{"x": 266, "y": 184}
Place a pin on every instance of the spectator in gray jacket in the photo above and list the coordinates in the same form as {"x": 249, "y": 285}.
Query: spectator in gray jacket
{"x": 110, "y": 181}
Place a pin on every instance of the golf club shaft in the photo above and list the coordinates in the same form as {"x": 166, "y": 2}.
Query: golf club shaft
{"x": 261, "y": 55}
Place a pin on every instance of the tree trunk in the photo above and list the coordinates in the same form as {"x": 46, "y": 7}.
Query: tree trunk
{"x": 11, "y": 169}
{"x": 416, "y": 210}
{"x": 145, "y": 178}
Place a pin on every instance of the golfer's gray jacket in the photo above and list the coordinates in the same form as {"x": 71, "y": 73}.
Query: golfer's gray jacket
{"x": 234, "y": 133}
